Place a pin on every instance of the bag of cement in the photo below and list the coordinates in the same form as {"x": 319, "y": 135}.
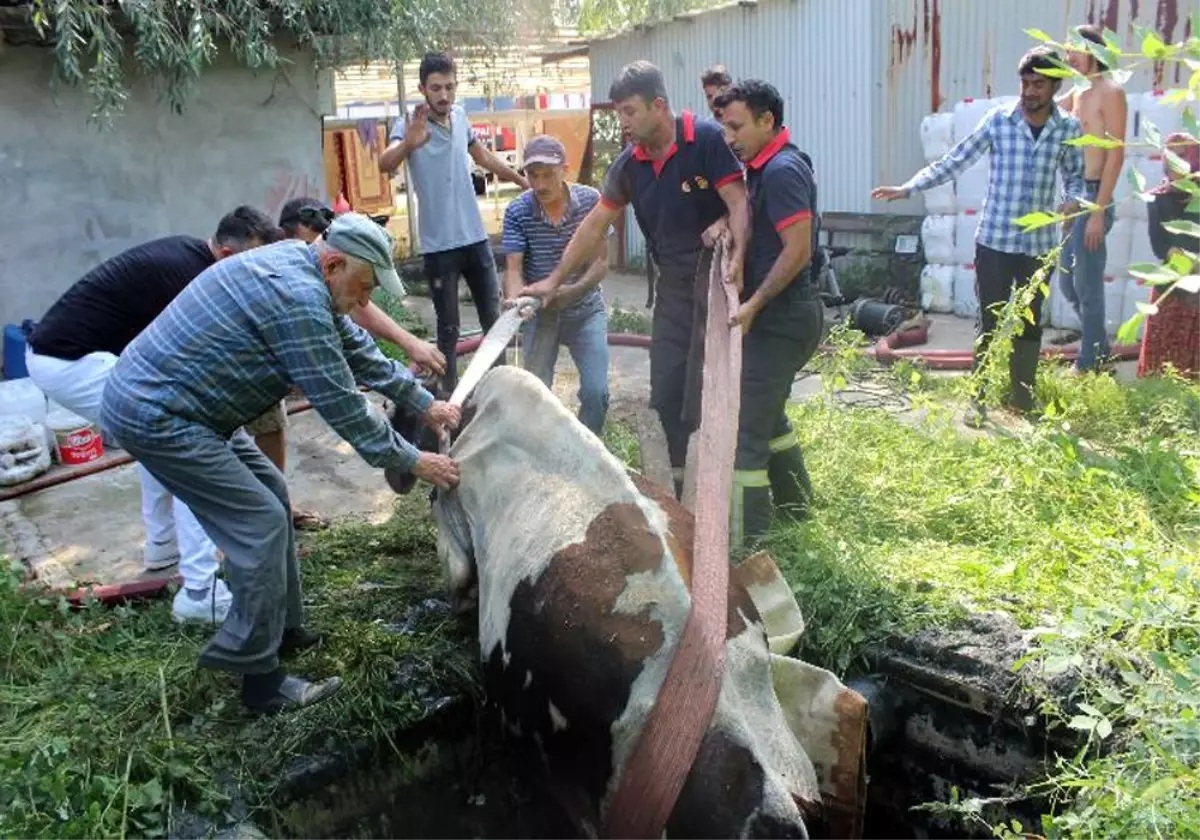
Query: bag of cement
{"x": 23, "y": 450}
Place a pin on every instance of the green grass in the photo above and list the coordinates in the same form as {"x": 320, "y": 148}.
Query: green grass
{"x": 107, "y": 726}
{"x": 624, "y": 320}
{"x": 410, "y": 319}
{"x": 1084, "y": 525}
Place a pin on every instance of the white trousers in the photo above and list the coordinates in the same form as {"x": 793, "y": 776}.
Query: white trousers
{"x": 78, "y": 386}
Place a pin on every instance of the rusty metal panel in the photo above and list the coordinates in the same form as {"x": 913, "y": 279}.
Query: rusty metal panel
{"x": 935, "y": 53}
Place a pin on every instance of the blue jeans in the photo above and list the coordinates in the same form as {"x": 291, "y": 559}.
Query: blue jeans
{"x": 584, "y": 329}
{"x": 1082, "y": 283}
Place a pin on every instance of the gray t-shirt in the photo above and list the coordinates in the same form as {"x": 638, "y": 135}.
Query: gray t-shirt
{"x": 447, "y": 213}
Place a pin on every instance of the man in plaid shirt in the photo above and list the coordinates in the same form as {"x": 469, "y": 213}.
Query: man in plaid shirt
{"x": 1028, "y": 145}
{"x": 225, "y": 350}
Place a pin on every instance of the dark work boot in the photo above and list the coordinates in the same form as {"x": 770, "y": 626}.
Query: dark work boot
{"x": 790, "y": 485}
{"x": 1022, "y": 368}
{"x": 296, "y": 639}
{"x": 749, "y": 511}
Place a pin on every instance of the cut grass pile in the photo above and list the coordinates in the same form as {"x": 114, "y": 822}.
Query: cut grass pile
{"x": 1085, "y": 526}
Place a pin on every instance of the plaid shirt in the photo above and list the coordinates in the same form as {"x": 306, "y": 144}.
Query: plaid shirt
{"x": 228, "y": 347}
{"x": 1020, "y": 176}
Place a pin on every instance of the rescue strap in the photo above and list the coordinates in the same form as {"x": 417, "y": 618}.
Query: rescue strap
{"x": 679, "y": 719}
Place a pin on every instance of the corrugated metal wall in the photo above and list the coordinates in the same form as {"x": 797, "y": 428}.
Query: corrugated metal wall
{"x": 859, "y": 75}
{"x": 934, "y": 53}
{"x": 810, "y": 49}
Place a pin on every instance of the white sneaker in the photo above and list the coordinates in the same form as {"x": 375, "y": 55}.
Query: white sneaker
{"x": 156, "y": 556}
{"x": 212, "y": 608}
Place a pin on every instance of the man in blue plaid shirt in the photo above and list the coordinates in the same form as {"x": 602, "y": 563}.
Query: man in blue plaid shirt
{"x": 1028, "y": 145}
{"x": 225, "y": 350}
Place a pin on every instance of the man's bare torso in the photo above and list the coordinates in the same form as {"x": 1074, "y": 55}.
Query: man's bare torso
{"x": 1094, "y": 110}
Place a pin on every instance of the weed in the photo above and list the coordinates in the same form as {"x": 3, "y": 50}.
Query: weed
{"x": 621, "y": 320}
{"x": 409, "y": 319}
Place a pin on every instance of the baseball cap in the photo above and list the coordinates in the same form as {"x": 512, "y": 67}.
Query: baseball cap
{"x": 359, "y": 236}
{"x": 311, "y": 212}
{"x": 545, "y": 149}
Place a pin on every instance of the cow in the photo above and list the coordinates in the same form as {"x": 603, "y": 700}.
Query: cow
{"x": 580, "y": 572}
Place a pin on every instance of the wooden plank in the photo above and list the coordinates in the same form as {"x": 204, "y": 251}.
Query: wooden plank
{"x": 679, "y": 719}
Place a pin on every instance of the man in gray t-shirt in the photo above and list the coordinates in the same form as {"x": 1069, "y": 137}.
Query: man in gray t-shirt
{"x": 439, "y": 145}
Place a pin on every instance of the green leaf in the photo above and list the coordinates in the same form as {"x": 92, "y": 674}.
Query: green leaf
{"x": 1038, "y": 219}
{"x": 1127, "y": 334}
{"x": 1152, "y": 271}
{"x": 1193, "y": 206}
{"x": 1094, "y": 141}
{"x": 1158, "y": 788}
{"x": 1153, "y": 46}
{"x": 1057, "y": 72}
{"x": 1182, "y": 228}
{"x": 1039, "y": 35}
{"x": 1191, "y": 283}
{"x": 1082, "y": 723}
{"x": 1091, "y": 710}
{"x": 1137, "y": 179}
{"x": 1147, "y": 308}
{"x": 1104, "y": 728}
{"x": 1176, "y": 96}
{"x": 1153, "y": 135}
{"x": 1190, "y": 123}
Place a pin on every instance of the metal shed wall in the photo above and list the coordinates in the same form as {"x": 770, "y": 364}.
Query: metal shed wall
{"x": 934, "y": 53}
{"x": 858, "y": 76}
{"x": 804, "y": 47}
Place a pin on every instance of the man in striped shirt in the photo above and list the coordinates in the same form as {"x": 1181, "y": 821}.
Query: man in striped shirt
{"x": 226, "y": 349}
{"x": 537, "y": 227}
{"x": 1028, "y": 145}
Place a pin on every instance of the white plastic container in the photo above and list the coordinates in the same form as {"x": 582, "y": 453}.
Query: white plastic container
{"x": 937, "y": 237}
{"x": 1140, "y": 250}
{"x": 1167, "y": 118}
{"x": 967, "y": 115}
{"x": 966, "y": 304}
{"x": 970, "y": 189}
{"x": 940, "y": 201}
{"x": 21, "y": 398}
{"x": 1135, "y": 290}
{"x": 937, "y": 288}
{"x": 937, "y": 135}
{"x": 1133, "y": 115}
{"x": 23, "y": 451}
{"x": 1114, "y": 303}
{"x": 1119, "y": 245}
{"x": 965, "y": 226}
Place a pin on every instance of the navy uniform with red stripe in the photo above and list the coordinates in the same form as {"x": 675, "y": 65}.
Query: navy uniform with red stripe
{"x": 781, "y": 340}
{"x": 675, "y": 200}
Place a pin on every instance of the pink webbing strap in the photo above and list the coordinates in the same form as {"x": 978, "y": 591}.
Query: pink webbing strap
{"x": 679, "y": 719}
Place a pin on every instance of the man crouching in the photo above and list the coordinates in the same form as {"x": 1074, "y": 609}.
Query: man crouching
{"x": 226, "y": 349}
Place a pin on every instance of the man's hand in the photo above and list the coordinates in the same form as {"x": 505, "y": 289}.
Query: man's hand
{"x": 745, "y": 315}
{"x": 416, "y": 130}
{"x": 734, "y": 270}
{"x": 1093, "y": 235}
{"x": 443, "y": 416}
{"x": 428, "y": 358}
{"x": 889, "y": 193}
{"x": 542, "y": 289}
{"x": 439, "y": 470}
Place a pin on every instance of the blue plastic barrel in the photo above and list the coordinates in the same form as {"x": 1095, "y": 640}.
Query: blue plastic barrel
{"x": 14, "y": 350}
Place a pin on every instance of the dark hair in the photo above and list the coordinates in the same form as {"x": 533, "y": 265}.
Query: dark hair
{"x": 436, "y": 62}
{"x": 716, "y": 76}
{"x": 638, "y": 78}
{"x": 240, "y": 226}
{"x": 1093, "y": 33}
{"x": 310, "y": 212}
{"x": 1041, "y": 58}
{"x": 758, "y": 96}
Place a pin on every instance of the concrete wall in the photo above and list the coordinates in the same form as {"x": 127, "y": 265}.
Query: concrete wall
{"x": 75, "y": 195}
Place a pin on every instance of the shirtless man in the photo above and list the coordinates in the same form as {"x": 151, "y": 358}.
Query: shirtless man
{"x": 1101, "y": 110}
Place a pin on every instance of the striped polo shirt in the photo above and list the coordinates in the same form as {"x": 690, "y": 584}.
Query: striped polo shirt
{"x": 527, "y": 231}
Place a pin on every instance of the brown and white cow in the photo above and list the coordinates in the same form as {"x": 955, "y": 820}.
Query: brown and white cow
{"x": 582, "y": 574}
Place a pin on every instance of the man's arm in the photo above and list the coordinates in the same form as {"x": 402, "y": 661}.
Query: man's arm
{"x": 1116, "y": 111}
{"x": 588, "y": 237}
{"x": 393, "y": 156}
{"x": 1071, "y": 167}
{"x": 590, "y": 279}
{"x": 513, "y": 275}
{"x": 956, "y": 161}
{"x": 513, "y": 244}
{"x": 484, "y": 157}
{"x": 316, "y": 352}
{"x": 734, "y": 195}
{"x": 789, "y": 207}
{"x": 381, "y": 325}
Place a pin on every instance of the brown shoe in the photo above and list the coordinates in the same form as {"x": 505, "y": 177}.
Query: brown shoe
{"x": 308, "y": 520}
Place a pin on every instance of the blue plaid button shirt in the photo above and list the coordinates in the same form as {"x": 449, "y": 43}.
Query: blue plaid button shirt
{"x": 229, "y": 346}
{"x": 1020, "y": 177}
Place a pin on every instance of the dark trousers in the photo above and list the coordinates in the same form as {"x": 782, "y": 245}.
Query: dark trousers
{"x": 475, "y": 264}
{"x": 677, "y": 354}
{"x": 769, "y": 465}
{"x": 997, "y": 276}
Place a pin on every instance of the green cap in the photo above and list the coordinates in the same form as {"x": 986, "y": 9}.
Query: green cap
{"x": 359, "y": 236}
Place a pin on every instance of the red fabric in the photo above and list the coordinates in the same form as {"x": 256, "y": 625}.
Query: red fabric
{"x": 1173, "y": 335}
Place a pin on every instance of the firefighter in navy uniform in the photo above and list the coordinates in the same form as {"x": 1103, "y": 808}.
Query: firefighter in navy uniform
{"x": 781, "y": 314}
{"x": 682, "y": 180}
